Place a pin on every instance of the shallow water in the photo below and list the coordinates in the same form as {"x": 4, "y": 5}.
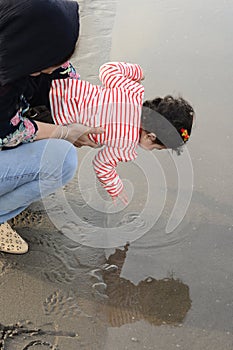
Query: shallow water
{"x": 165, "y": 290}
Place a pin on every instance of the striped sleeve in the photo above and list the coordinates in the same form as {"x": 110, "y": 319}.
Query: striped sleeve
{"x": 105, "y": 163}
{"x": 121, "y": 74}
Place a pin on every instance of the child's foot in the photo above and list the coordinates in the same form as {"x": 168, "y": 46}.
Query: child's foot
{"x": 10, "y": 241}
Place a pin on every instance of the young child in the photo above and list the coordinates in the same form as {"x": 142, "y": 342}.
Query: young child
{"x": 118, "y": 107}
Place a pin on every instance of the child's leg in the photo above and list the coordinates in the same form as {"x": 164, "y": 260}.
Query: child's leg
{"x": 33, "y": 171}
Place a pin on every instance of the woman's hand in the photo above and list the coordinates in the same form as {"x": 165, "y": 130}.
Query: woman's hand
{"x": 78, "y": 135}
{"x": 74, "y": 133}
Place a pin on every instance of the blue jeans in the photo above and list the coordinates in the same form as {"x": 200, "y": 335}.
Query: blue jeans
{"x": 33, "y": 171}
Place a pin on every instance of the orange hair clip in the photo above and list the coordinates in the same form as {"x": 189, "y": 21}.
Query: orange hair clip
{"x": 184, "y": 134}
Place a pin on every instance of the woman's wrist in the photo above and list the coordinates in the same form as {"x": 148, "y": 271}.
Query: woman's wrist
{"x": 64, "y": 132}
{"x": 46, "y": 131}
{"x": 77, "y": 134}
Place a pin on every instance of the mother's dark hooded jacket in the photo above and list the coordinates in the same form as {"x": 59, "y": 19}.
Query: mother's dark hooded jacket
{"x": 34, "y": 35}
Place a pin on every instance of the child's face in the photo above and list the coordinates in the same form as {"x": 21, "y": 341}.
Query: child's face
{"x": 147, "y": 141}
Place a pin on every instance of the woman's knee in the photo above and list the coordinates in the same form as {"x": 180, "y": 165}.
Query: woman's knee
{"x": 59, "y": 162}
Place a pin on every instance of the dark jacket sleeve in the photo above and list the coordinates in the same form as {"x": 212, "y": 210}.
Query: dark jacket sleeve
{"x": 24, "y": 102}
{"x": 14, "y": 127}
{"x": 38, "y": 89}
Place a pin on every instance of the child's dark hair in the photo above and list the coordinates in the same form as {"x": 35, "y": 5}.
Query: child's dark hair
{"x": 170, "y": 119}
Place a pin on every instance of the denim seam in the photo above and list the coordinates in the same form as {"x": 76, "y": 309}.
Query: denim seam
{"x": 17, "y": 177}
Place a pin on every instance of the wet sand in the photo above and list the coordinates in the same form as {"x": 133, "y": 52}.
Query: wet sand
{"x": 164, "y": 290}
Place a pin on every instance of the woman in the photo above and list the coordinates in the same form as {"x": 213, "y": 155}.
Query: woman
{"x": 37, "y": 37}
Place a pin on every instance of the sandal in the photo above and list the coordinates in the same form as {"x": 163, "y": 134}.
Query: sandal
{"x": 10, "y": 241}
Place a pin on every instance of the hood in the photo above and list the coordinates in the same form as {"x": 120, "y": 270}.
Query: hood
{"x": 35, "y": 35}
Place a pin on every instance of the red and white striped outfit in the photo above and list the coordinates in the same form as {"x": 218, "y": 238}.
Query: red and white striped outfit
{"x": 115, "y": 106}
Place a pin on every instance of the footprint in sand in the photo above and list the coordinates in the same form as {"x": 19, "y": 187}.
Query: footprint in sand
{"x": 61, "y": 303}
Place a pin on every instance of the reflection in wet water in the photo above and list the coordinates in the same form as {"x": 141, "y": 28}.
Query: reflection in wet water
{"x": 164, "y": 301}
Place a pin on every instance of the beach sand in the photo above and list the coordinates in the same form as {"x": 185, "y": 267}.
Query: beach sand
{"x": 163, "y": 291}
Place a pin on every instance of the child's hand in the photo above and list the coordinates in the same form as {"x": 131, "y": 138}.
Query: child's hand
{"x": 122, "y": 196}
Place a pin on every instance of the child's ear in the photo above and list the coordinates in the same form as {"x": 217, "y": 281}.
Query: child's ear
{"x": 152, "y": 137}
